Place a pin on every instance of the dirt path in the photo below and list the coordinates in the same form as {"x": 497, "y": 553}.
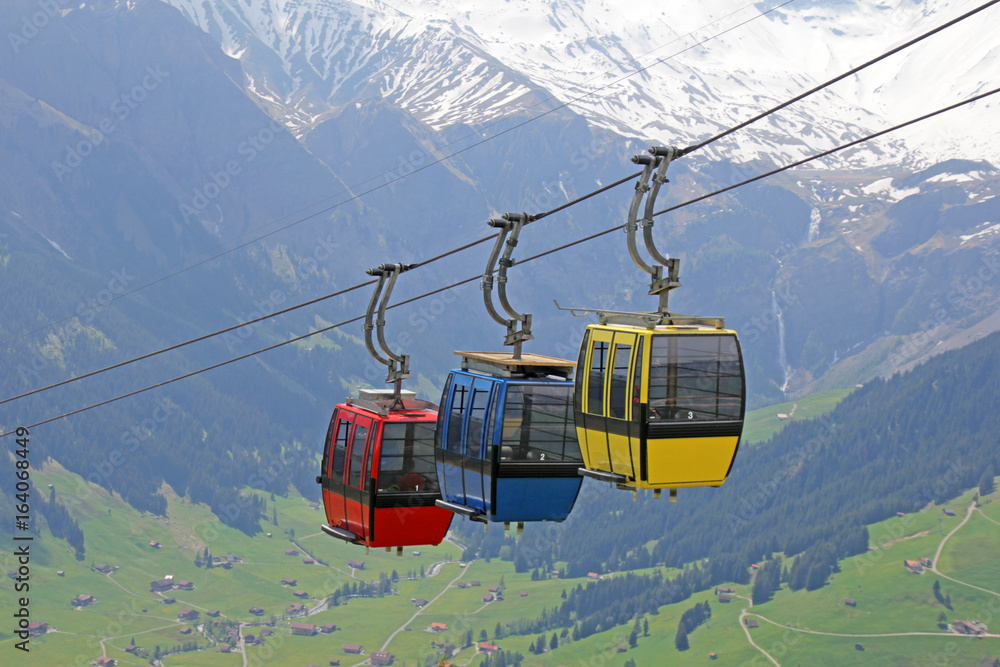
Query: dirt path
{"x": 986, "y": 517}
{"x": 444, "y": 590}
{"x": 881, "y": 634}
{"x": 923, "y": 533}
{"x": 937, "y": 555}
{"x": 746, "y": 631}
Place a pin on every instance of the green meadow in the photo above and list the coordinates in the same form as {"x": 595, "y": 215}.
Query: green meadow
{"x": 763, "y": 423}
{"x": 800, "y": 627}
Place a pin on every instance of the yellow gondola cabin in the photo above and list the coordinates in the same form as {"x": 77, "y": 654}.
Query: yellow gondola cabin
{"x": 660, "y": 406}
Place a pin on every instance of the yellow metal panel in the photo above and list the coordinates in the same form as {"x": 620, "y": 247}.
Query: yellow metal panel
{"x": 620, "y": 461}
{"x": 596, "y": 447}
{"x": 678, "y": 462}
{"x": 581, "y": 436}
{"x": 636, "y": 444}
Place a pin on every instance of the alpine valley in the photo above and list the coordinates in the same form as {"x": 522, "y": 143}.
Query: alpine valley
{"x": 170, "y": 168}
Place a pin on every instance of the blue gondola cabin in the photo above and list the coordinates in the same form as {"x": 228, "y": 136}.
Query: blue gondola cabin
{"x": 506, "y": 448}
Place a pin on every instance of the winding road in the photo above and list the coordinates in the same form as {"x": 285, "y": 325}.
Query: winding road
{"x": 973, "y": 507}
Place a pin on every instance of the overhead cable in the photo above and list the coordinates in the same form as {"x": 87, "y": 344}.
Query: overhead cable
{"x": 391, "y": 182}
{"x": 539, "y": 255}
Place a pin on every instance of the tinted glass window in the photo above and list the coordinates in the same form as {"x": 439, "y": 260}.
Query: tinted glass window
{"x": 595, "y": 383}
{"x": 442, "y": 419}
{"x": 619, "y": 382}
{"x": 637, "y": 381}
{"x": 406, "y": 463}
{"x": 340, "y": 451}
{"x": 454, "y": 440}
{"x": 324, "y": 467}
{"x": 580, "y": 362}
{"x": 538, "y": 424}
{"x": 477, "y": 414}
{"x": 357, "y": 455}
{"x": 491, "y": 428}
{"x": 695, "y": 378}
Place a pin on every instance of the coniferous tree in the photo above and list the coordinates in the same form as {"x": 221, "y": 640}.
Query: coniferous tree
{"x": 986, "y": 482}
{"x": 816, "y": 576}
{"x": 681, "y": 638}
{"x": 767, "y": 581}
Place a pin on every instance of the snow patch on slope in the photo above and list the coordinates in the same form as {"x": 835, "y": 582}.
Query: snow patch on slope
{"x": 672, "y": 73}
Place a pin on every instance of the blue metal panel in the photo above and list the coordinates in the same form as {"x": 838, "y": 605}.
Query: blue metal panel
{"x": 468, "y": 471}
{"x": 535, "y": 498}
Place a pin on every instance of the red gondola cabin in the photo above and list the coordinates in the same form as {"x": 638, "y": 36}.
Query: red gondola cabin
{"x": 378, "y": 473}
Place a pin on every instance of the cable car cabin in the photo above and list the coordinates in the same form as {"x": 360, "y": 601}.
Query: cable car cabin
{"x": 378, "y": 474}
{"x": 506, "y": 443}
{"x": 659, "y": 407}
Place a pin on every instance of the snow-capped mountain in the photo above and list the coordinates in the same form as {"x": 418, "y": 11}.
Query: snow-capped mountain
{"x": 676, "y": 72}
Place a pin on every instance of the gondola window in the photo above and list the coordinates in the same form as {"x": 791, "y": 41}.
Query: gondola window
{"x": 695, "y": 378}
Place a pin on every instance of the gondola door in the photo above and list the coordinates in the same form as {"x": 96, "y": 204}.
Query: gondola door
{"x": 610, "y": 406}
{"x": 623, "y": 437}
{"x": 451, "y": 427}
{"x": 334, "y": 459}
{"x": 359, "y": 457}
{"x": 475, "y": 463}
{"x": 591, "y": 426}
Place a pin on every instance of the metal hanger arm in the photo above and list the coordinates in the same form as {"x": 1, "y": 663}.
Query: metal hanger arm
{"x": 666, "y": 155}
{"x": 632, "y": 224}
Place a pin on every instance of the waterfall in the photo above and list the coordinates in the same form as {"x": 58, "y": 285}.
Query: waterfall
{"x": 814, "y": 219}
{"x": 782, "y": 359}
